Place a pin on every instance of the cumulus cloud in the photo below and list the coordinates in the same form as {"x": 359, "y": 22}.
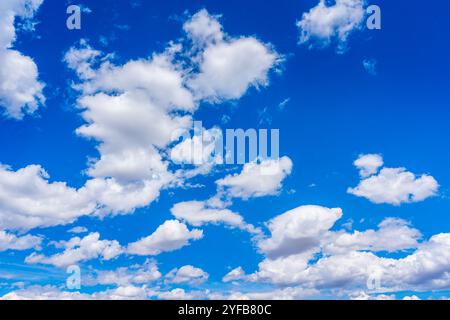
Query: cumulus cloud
{"x": 126, "y": 276}
{"x": 78, "y": 250}
{"x": 257, "y": 179}
{"x": 332, "y": 260}
{"x": 20, "y": 89}
{"x": 29, "y": 200}
{"x": 171, "y": 235}
{"x": 289, "y": 293}
{"x": 204, "y": 29}
{"x": 133, "y": 111}
{"x": 298, "y": 230}
{"x": 234, "y": 275}
{"x": 54, "y": 293}
{"x": 187, "y": 275}
{"x": 9, "y": 241}
{"x": 199, "y": 213}
{"x": 329, "y": 23}
{"x": 78, "y": 229}
{"x": 368, "y": 164}
{"x": 228, "y": 66}
{"x": 392, "y": 185}
{"x": 392, "y": 235}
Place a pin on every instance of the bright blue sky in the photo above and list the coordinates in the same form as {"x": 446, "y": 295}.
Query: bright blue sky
{"x": 336, "y": 111}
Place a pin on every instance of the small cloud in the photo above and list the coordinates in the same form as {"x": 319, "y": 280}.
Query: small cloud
{"x": 370, "y": 65}
{"x": 283, "y": 103}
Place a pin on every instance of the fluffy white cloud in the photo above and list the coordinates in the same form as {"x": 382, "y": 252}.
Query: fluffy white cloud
{"x": 20, "y": 89}
{"x": 180, "y": 294}
{"x": 289, "y": 293}
{"x": 235, "y": 275}
{"x": 199, "y": 213}
{"x": 78, "y": 229}
{"x": 82, "y": 59}
{"x": 54, "y": 293}
{"x": 187, "y": 275}
{"x": 392, "y": 235}
{"x": 10, "y": 241}
{"x": 134, "y": 111}
{"x": 171, "y": 235}
{"x": 119, "y": 103}
{"x": 136, "y": 274}
{"x": 348, "y": 261}
{"x": 298, "y": 230}
{"x": 257, "y": 179}
{"x": 28, "y": 200}
{"x": 392, "y": 185}
{"x": 79, "y": 249}
{"x": 204, "y": 28}
{"x": 368, "y": 164}
{"x": 228, "y": 67}
{"x": 327, "y": 22}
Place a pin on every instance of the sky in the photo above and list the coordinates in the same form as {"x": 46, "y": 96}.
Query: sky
{"x": 100, "y": 198}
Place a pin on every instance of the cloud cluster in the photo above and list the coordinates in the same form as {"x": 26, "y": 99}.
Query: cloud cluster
{"x": 10, "y": 241}
{"x": 391, "y": 185}
{"x": 126, "y": 276}
{"x": 304, "y": 250}
{"x": 134, "y": 111}
{"x": 78, "y": 250}
{"x": 28, "y": 200}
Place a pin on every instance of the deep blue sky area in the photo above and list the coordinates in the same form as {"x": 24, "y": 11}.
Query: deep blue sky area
{"x": 335, "y": 111}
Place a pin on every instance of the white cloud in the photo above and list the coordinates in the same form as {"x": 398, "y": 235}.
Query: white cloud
{"x": 187, "y": 275}
{"x": 392, "y": 235}
{"x": 10, "y": 241}
{"x": 136, "y": 274}
{"x": 326, "y": 23}
{"x": 368, "y": 164}
{"x": 78, "y": 250}
{"x": 298, "y": 230}
{"x": 28, "y": 200}
{"x": 204, "y": 29}
{"x": 392, "y": 185}
{"x": 347, "y": 261}
{"x": 118, "y": 103}
{"x": 82, "y": 59}
{"x": 179, "y": 294}
{"x": 78, "y": 229}
{"x": 54, "y": 293}
{"x": 199, "y": 213}
{"x": 171, "y": 235}
{"x": 289, "y": 293}
{"x": 20, "y": 89}
{"x": 228, "y": 67}
{"x": 235, "y": 275}
{"x": 257, "y": 179}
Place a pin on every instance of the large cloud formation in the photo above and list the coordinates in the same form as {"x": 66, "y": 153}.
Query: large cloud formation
{"x": 134, "y": 111}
